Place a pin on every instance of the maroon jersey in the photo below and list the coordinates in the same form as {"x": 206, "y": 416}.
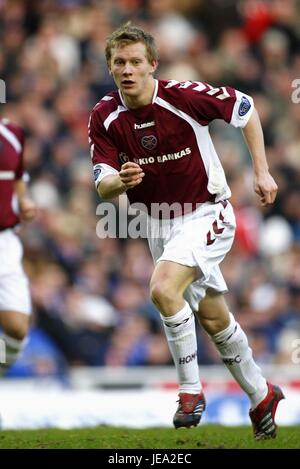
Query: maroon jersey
{"x": 169, "y": 139}
{"x": 11, "y": 169}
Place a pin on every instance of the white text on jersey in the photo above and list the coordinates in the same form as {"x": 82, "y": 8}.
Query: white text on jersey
{"x": 163, "y": 158}
{"x": 144, "y": 125}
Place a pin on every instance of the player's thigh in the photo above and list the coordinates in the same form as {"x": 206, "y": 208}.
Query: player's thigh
{"x": 14, "y": 323}
{"x": 171, "y": 276}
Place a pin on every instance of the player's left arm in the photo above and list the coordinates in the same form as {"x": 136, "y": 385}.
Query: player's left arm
{"x": 237, "y": 108}
{"x": 27, "y": 207}
{"x": 264, "y": 184}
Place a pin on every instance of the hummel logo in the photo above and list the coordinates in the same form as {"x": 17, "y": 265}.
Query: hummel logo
{"x": 144, "y": 125}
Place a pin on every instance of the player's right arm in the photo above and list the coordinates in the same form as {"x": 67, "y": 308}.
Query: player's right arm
{"x": 111, "y": 179}
{"x": 112, "y": 185}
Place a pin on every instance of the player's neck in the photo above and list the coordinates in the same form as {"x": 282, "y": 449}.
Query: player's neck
{"x": 143, "y": 99}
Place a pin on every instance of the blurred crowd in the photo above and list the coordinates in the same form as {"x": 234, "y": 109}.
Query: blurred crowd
{"x": 90, "y": 295}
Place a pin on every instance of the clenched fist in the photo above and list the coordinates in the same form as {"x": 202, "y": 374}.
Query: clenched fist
{"x": 131, "y": 174}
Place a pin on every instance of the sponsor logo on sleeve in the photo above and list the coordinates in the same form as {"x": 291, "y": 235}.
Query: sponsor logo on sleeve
{"x": 244, "y": 106}
{"x": 97, "y": 171}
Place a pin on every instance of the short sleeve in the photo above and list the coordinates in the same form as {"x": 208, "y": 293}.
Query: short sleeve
{"x": 20, "y": 171}
{"x": 222, "y": 102}
{"x": 102, "y": 148}
{"x": 242, "y": 109}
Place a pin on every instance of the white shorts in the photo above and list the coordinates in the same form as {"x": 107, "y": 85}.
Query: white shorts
{"x": 200, "y": 239}
{"x": 14, "y": 285}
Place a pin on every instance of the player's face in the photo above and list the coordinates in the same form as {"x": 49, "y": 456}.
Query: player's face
{"x": 132, "y": 72}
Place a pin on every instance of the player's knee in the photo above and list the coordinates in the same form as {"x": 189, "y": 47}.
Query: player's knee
{"x": 161, "y": 292}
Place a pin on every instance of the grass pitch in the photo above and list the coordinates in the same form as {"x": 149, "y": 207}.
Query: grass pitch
{"x": 203, "y": 437}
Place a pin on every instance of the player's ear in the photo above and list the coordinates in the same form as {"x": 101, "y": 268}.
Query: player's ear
{"x": 154, "y": 65}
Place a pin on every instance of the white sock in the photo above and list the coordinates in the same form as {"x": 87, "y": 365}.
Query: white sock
{"x": 232, "y": 344}
{"x": 10, "y": 349}
{"x": 181, "y": 334}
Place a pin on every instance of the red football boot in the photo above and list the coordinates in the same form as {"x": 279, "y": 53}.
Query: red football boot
{"x": 190, "y": 410}
{"x": 263, "y": 416}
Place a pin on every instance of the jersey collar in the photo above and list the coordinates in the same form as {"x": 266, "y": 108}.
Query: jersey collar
{"x": 153, "y": 97}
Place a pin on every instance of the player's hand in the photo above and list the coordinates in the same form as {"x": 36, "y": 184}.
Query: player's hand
{"x": 265, "y": 187}
{"x": 131, "y": 174}
{"x": 27, "y": 209}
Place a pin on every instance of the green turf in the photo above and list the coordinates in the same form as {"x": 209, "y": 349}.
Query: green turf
{"x": 205, "y": 436}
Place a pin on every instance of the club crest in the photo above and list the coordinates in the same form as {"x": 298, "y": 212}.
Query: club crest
{"x": 149, "y": 142}
{"x": 244, "y": 106}
{"x": 97, "y": 171}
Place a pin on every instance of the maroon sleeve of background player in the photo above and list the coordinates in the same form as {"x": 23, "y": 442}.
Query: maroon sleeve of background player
{"x": 20, "y": 136}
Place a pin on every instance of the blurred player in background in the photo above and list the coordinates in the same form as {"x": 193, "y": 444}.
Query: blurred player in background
{"x": 15, "y": 206}
{"x": 150, "y": 139}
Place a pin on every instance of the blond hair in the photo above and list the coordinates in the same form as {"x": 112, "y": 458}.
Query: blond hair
{"x": 128, "y": 34}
